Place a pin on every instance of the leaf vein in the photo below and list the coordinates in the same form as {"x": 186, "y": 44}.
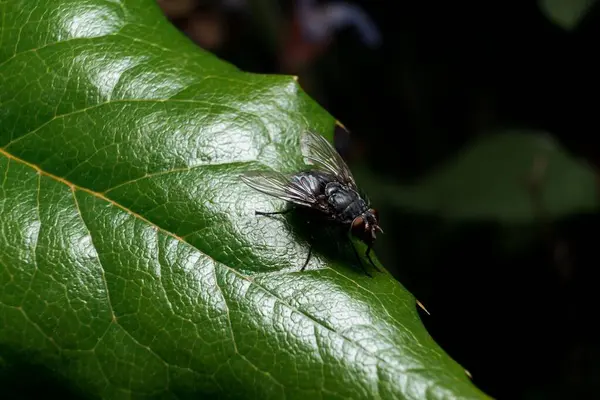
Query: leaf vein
{"x": 176, "y": 170}
{"x": 226, "y": 308}
{"x": 399, "y": 324}
{"x": 37, "y": 237}
{"x": 266, "y": 373}
{"x": 39, "y": 329}
{"x": 309, "y": 317}
{"x": 126, "y": 101}
{"x": 102, "y": 271}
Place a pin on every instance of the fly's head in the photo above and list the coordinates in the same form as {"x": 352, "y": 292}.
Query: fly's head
{"x": 366, "y": 226}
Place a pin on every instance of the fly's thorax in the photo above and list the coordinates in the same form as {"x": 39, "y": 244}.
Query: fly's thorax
{"x": 353, "y": 210}
{"x": 344, "y": 202}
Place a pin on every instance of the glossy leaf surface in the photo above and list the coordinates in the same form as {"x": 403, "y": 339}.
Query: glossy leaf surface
{"x": 131, "y": 261}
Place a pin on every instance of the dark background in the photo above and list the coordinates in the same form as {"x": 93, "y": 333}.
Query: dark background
{"x": 511, "y": 299}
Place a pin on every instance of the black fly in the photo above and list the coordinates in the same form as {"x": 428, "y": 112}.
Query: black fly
{"x": 328, "y": 189}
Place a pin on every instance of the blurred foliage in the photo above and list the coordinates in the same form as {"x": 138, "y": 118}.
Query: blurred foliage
{"x": 508, "y": 177}
{"x": 565, "y": 13}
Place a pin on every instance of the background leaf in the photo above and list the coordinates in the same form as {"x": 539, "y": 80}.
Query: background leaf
{"x": 565, "y": 14}
{"x": 131, "y": 262}
{"x": 498, "y": 177}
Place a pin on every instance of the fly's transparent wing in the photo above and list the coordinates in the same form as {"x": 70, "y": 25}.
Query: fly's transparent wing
{"x": 319, "y": 152}
{"x": 281, "y": 186}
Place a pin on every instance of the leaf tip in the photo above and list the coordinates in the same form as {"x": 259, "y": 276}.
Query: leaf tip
{"x": 338, "y": 123}
{"x": 422, "y": 307}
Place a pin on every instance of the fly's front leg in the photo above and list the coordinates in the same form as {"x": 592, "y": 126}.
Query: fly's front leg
{"x": 360, "y": 262}
{"x": 367, "y": 254}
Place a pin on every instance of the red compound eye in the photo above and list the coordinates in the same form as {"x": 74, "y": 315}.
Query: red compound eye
{"x": 358, "y": 224}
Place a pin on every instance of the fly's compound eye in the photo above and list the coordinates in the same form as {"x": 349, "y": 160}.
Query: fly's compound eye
{"x": 358, "y": 224}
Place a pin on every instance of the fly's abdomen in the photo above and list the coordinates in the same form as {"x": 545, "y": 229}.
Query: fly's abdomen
{"x": 311, "y": 182}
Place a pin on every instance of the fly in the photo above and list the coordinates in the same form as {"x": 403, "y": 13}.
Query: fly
{"x": 328, "y": 189}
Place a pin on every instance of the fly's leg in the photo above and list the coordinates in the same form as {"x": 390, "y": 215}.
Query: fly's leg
{"x": 308, "y": 257}
{"x": 367, "y": 253}
{"x": 272, "y": 213}
{"x": 360, "y": 261}
{"x": 310, "y": 248}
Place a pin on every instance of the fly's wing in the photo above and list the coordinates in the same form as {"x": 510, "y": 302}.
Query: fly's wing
{"x": 319, "y": 152}
{"x": 283, "y": 187}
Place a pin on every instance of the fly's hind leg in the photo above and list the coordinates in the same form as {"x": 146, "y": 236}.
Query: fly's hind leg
{"x": 272, "y": 213}
{"x": 311, "y": 241}
{"x": 368, "y": 255}
{"x": 310, "y": 247}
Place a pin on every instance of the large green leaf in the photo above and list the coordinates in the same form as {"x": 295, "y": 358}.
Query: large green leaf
{"x": 131, "y": 261}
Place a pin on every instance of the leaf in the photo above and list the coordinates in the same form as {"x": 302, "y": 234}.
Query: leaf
{"x": 131, "y": 261}
{"x": 499, "y": 177}
{"x": 565, "y": 13}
